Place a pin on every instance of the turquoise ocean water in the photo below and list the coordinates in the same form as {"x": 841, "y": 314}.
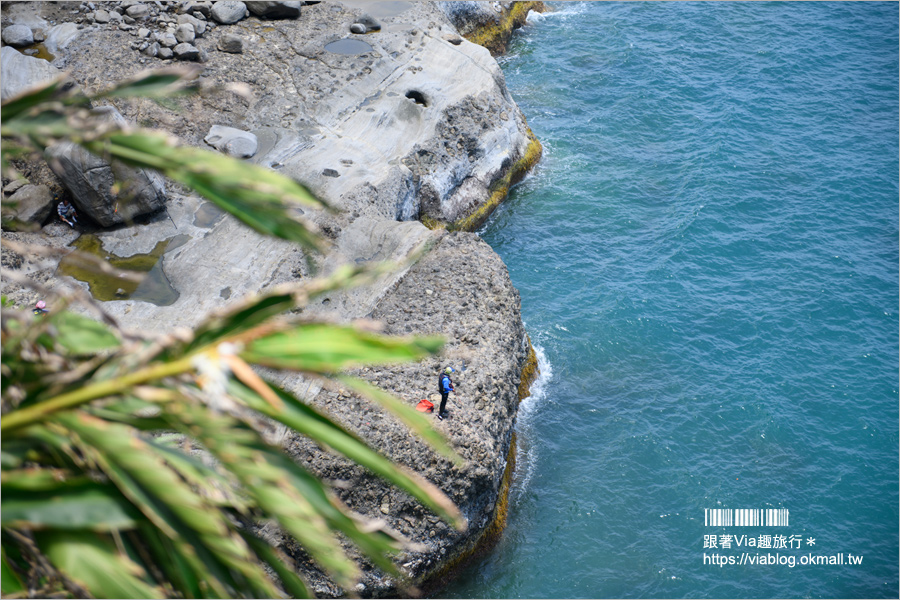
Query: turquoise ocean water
{"x": 708, "y": 263}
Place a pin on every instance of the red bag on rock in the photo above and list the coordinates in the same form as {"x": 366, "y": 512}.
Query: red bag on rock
{"x": 425, "y": 406}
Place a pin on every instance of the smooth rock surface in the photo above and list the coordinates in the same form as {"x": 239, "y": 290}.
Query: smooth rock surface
{"x": 34, "y": 203}
{"x": 231, "y": 141}
{"x": 19, "y": 72}
{"x": 17, "y": 35}
{"x": 228, "y": 11}
{"x": 60, "y": 36}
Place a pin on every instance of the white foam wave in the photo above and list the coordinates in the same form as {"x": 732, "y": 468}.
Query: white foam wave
{"x": 571, "y": 9}
{"x": 526, "y": 451}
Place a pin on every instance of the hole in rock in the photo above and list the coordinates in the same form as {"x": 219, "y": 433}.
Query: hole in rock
{"x": 417, "y": 97}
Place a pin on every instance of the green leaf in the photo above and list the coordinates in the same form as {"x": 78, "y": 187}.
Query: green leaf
{"x": 298, "y": 504}
{"x": 293, "y": 585}
{"x": 325, "y": 348}
{"x": 177, "y": 570}
{"x": 153, "y": 84}
{"x": 9, "y": 579}
{"x": 81, "y": 335}
{"x": 87, "y": 506}
{"x": 39, "y": 479}
{"x": 416, "y": 421}
{"x": 259, "y": 197}
{"x": 218, "y": 553}
{"x": 96, "y": 565}
{"x": 320, "y": 429}
{"x": 241, "y": 319}
{"x": 41, "y": 93}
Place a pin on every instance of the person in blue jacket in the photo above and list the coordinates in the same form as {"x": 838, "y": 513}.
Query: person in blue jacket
{"x": 445, "y": 386}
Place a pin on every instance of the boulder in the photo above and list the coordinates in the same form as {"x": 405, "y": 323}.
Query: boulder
{"x": 231, "y": 43}
{"x": 202, "y": 8}
{"x": 101, "y": 16}
{"x": 198, "y": 25}
{"x": 92, "y": 182}
{"x": 365, "y": 24}
{"x": 18, "y": 35}
{"x": 168, "y": 40}
{"x": 185, "y": 33}
{"x": 138, "y": 11}
{"x": 231, "y": 141}
{"x": 14, "y": 185}
{"x": 19, "y": 72}
{"x": 275, "y": 10}
{"x": 185, "y": 51}
{"x": 33, "y": 203}
{"x": 60, "y": 36}
{"x": 228, "y": 11}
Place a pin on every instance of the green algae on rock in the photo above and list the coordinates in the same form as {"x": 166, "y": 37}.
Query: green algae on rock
{"x": 154, "y": 287}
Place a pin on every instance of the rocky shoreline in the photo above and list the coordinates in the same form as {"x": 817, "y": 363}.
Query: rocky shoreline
{"x": 407, "y": 128}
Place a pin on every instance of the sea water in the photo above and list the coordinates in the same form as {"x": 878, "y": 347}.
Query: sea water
{"x": 708, "y": 262}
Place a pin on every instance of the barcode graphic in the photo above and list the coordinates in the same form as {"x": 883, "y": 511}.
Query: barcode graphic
{"x": 746, "y": 517}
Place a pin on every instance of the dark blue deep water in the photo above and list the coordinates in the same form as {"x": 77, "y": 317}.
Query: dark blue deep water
{"x": 708, "y": 262}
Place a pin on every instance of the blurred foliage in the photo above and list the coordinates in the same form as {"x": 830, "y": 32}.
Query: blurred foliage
{"x": 137, "y": 465}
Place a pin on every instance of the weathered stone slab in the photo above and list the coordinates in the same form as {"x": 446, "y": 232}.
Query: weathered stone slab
{"x": 19, "y": 72}
{"x": 231, "y": 141}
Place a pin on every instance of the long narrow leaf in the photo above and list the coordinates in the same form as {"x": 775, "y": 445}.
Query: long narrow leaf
{"x": 324, "y": 348}
{"x": 80, "y": 335}
{"x": 158, "y": 83}
{"x": 245, "y": 454}
{"x": 10, "y": 583}
{"x": 93, "y": 506}
{"x": 122, "y": 448}
{"x": 177, "y": 570}
{"x": 413, "y": 419}
{"x": 292, "y": 583}
{"x": 259, "y": 197}
{"x": 307, "y": 421}
{"x": 96, "y": 565}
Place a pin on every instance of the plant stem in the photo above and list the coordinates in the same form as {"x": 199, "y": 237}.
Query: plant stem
{"x": 36, "y": 412}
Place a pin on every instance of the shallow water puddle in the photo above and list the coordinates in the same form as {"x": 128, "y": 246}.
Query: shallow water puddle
{"x": 154, "y": 288}
{"x": 348, "y": 46}
{"x": 207, "y": 215}
{"x": 38, "y": 50}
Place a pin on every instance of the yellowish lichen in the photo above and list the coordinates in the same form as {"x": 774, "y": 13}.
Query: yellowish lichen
{"x": 495, "y": 37}
{"x": 530, "y": 371}
{"x": 431, "y": 222}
